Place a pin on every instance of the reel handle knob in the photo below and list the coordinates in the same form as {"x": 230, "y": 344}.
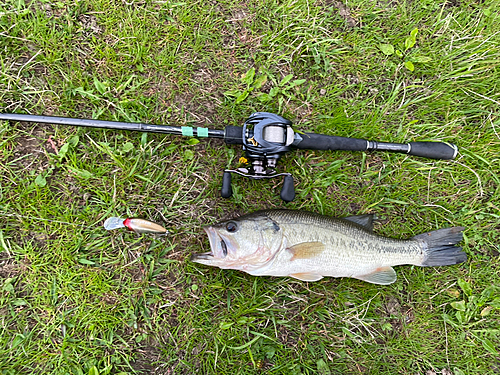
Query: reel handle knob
{"x": 226, "y": 190}
{"x": 288, "y": 190}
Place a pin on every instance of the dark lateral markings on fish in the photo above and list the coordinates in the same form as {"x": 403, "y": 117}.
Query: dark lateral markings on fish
{"x": 308, "y": 246}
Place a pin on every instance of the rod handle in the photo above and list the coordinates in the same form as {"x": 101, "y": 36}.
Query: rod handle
{"x": 313, "y": 141}
{"x": 433, "y": 150}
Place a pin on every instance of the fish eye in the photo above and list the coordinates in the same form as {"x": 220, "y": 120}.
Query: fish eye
{"x": 231, "y": 227}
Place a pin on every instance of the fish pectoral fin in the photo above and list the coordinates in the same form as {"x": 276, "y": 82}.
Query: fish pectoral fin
{"x": 365, "y": 221}
{"x": 381, "y": 276}
{"x": 306, "y": 276}
{"x": 306, "y": 250}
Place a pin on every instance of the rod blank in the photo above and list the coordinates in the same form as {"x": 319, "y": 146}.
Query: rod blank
{"x": 116, "y": 125}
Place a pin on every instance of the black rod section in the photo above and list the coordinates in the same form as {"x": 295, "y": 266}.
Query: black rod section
{"x": 133, "y": 126}
{"x": 432, "y": 150}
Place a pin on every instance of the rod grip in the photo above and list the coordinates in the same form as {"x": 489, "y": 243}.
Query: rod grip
{"x": 313, "y": 141}
{"x": 433, "y": 150}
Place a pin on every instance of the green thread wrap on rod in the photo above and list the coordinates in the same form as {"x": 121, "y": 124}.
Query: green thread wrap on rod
{"x": 202, "y": 132}
{"x": 187, "y": 131}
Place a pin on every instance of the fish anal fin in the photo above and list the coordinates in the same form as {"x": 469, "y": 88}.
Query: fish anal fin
{"x": 306, "y": 250}
{"x": 306, "y": 276}
{"x": 381, "y": 276}
{"x": 366, "y": 221}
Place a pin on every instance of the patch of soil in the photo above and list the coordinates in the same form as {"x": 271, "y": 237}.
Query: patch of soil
{"x": 344, "y": 12}
{"x": 48, "y": 9}
{"x": 392, "y": 306}
{"x": 30, "y": 150}
{"x": 494, "y": 253}
{"x": 237, "y": 21}
{"x": 9, "y": 270}
{"x": 110, "y": 299}
{"x": 26, "y": 146}
{"x": 452, "y": 3}
{"x": 37, "y": 239}
{"x": 137, "y": 272}
{"x": 89, "y": 24}
{"x": 147, "y": 360}
{"x": 3, "y": 256}
{"x": 159, "y": 87}
{"x": 398, "y": 315}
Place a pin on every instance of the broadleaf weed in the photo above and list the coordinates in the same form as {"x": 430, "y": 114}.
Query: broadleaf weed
{"x": 409, "y": 59}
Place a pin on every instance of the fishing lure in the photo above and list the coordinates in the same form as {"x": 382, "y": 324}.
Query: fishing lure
{"x": 134, "y": 224}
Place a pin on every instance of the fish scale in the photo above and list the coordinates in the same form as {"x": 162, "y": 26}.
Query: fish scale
{"x": 342, "y": 233}
{"x": 349, "y": 248}
{"x": 309, "y": 246}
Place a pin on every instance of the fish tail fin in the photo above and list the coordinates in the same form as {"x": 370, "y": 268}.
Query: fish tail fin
{"x": 440, "y": 247}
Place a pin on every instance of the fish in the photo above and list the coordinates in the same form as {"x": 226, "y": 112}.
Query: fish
{"x": 134, "y": 224}
{"x": 309, "y": 246}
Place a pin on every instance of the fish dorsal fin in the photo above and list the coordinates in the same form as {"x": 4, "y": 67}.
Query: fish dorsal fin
{"x": 306, "y": 276}
{"x": 306, "y": 250}
{"x": 381, "y": 276}
{"x": 366, "y": 221}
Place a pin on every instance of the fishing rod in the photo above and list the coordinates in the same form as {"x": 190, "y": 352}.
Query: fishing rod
{"x": 265, "y": 138}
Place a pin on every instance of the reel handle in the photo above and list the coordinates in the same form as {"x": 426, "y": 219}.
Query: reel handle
{"x": 288, "y": 189}
{"x": 226, "y": 190}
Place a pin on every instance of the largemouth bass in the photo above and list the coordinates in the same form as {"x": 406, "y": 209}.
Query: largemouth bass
{"x": 309, "y": 246}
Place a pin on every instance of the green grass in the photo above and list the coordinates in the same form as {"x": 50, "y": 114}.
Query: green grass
{"x": 75, "y": 299}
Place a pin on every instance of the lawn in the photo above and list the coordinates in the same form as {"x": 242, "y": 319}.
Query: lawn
{"x": 77, "y": 299}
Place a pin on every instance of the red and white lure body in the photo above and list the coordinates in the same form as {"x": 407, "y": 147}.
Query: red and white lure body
{"x": 134, "y": 224}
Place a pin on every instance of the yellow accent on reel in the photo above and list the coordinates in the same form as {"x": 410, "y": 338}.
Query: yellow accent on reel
{"x": 253, "y": 141}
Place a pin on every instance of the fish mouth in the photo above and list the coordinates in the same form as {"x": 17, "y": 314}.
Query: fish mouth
{"x": 218, "y": 247}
